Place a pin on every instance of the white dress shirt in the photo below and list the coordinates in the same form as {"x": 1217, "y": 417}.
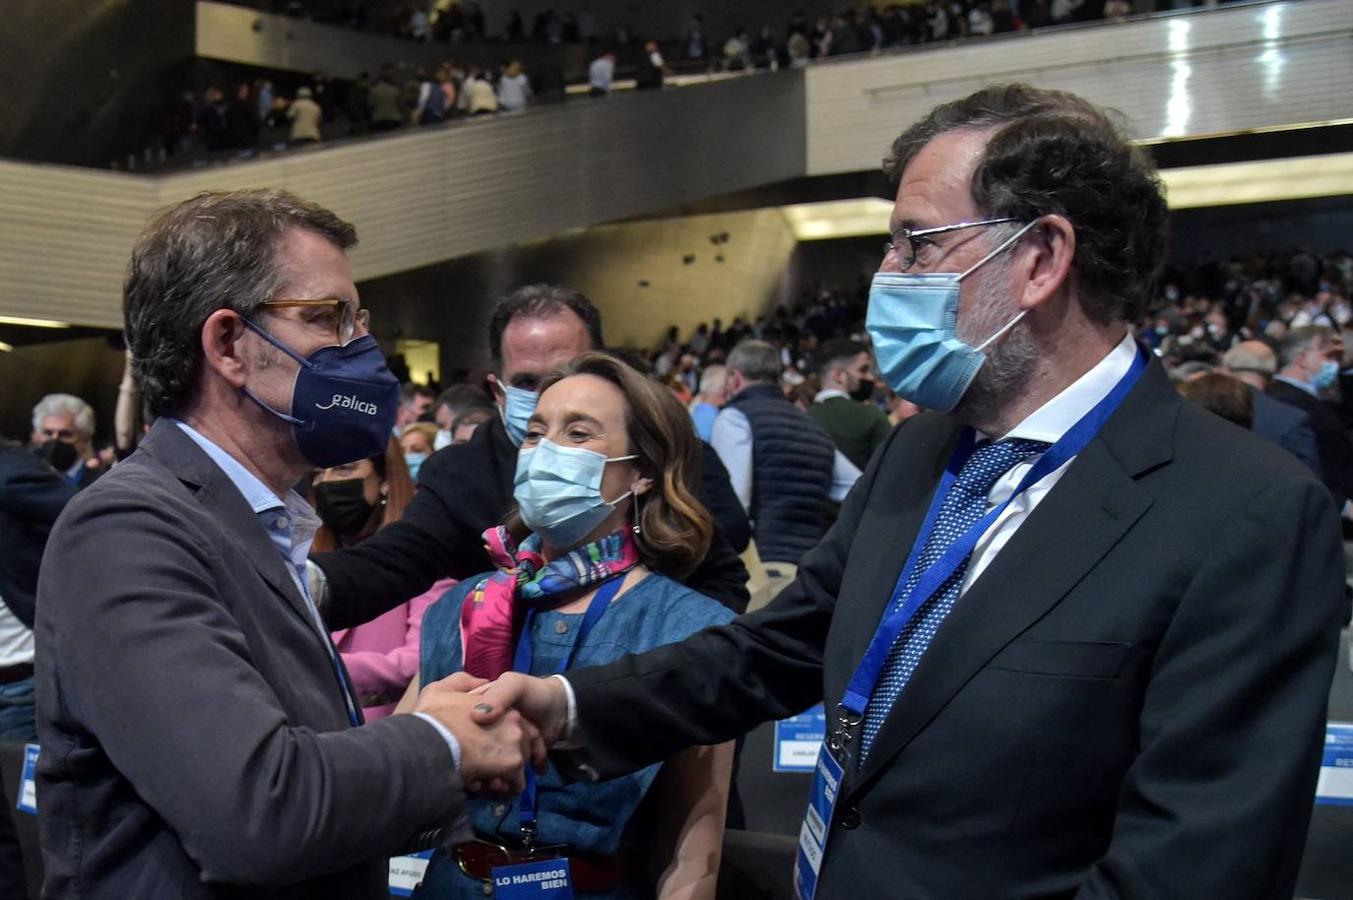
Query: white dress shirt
{"x": 731, "y": 438}
{"x": 1047, "y": 423}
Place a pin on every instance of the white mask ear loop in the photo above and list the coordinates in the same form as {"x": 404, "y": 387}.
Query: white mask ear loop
{"x": 1000, "y": 248}
{"x": 1011, "y": 324}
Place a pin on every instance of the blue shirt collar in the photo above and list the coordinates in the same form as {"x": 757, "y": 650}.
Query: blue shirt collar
{"x": 303, "y": 521}
{"x": 1301, "y": 385}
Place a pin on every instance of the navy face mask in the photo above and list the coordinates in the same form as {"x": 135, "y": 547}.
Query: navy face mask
{"x": 343, "y": 404}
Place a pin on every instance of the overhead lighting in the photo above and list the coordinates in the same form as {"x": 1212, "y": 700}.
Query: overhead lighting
{"x": 33, "y": 323}
{"x": 1264, "y": 181}
{"x": 864, "y": 217}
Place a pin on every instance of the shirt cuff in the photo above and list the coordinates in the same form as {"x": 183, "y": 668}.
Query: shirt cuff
{"x": 571, "y": 728}
{"x": 446, "y": 736}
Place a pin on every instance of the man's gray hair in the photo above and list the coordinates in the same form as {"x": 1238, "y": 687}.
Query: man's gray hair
{"x": 712, "y": 379}
{"x": 80, "y": 412}
{"x": 1298, "y": 340}
{"x": 215, "y": 251}
{"x": 1242, "y": 359}
{"x": 758, "y": 361}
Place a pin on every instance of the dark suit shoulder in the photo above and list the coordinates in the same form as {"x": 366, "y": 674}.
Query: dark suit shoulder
{"x": 1225, "y": 457}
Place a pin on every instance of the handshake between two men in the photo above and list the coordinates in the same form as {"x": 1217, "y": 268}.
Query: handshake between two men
{"x": 501, "y": 726}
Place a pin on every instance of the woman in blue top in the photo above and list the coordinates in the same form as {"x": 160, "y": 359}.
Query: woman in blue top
{"x": 606, "y": 521}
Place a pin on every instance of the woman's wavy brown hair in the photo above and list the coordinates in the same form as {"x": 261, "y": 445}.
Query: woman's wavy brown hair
{"x": 675, "y": 529}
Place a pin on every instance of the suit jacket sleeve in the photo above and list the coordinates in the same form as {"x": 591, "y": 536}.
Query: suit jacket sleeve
{"x": 32, "y": 495}
{"x": 1218, "y": 799}
{"x": 723, "y": 681}
{"x": 439, "y": 536}
{"x": 167, "y": 683}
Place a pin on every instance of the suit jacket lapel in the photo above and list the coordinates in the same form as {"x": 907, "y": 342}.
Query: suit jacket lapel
{"x": 217, "y": 492}
{"x": 1088, "y": 511}
{"x": 883, "y": 540}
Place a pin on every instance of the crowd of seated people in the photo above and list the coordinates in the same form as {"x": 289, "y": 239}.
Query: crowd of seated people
{"x": 238, "y": 121}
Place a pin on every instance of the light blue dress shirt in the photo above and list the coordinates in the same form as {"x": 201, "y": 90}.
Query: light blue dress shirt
{"x": 291, "y": 524}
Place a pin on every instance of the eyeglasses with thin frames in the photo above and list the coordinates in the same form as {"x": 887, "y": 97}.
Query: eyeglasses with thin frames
{"x": 920, "y": 238}
{"x": 350, "y": 321}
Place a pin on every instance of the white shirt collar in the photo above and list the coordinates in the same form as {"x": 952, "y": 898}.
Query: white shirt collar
{"x": 829, "y": 393}
{"x": 1053, "y": 419}
{"x": 1303, "y": 385}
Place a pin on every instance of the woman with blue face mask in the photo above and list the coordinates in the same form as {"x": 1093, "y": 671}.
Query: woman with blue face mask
{"x": 354, "y": 501}
{"x": 418, "y": 440}
{"x": 605, "y": 521}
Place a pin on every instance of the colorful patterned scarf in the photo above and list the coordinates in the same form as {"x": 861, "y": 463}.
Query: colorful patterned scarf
{"x": 495, "y": 608}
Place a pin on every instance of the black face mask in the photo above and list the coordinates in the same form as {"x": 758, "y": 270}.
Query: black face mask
{"x": 342, "y": 506}
{"x": 59, "y": 454}
{"x": 864, "y": 391}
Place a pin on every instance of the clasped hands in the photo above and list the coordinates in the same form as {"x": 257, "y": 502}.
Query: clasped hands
{"x": 501, "y": 726}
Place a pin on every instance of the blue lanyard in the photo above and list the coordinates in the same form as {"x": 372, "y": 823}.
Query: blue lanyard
{"x": 897, "y": 616}
{"x": 601, "y": 601}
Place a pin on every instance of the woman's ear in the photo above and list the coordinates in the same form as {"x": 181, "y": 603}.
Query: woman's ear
{"x": 641, "y": 485}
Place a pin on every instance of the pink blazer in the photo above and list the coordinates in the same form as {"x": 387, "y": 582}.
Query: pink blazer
{"x": 382, "y": 655}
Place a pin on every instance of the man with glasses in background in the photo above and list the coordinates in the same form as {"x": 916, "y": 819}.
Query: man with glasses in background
{"x": 197, "y": 724}
{"x": 1075, "y": 635}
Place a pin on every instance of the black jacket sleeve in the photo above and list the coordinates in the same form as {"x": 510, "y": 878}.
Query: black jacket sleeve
{"x": 32, "y": 495}
{"x": 722, "y": 501}
{"x": 460, "y": 494}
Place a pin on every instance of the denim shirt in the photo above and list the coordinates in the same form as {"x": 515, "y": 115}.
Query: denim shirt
{"x": 588, "y": 818}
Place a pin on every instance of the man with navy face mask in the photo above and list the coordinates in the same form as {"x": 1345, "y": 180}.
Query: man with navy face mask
{"x": 1055, "y": 625}
{"x": 198, "y": 727}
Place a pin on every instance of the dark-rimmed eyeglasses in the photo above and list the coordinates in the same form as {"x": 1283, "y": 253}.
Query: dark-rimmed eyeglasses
{"x": 908, "y": 243}
{"x": 347, "y": 320}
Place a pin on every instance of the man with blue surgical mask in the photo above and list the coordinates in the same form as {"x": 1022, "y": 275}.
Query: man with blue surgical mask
{"x": 465, "y": 489}
{"x": 1310, "y": 358}
{"x": 1074, "y": 634}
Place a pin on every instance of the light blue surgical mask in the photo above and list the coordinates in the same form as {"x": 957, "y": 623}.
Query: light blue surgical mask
{"x": 913, "y": 323}
{"x": 415, "y": 462}
{"x": 558, "y": 491}
{"x": 1328, "y": 374}
{"x": 517, "y": 411}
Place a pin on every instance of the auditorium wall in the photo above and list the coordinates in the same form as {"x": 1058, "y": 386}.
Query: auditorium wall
{"x": 86, "y": 77}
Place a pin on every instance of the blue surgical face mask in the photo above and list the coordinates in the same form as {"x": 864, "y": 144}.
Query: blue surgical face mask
{"x": 414, "y": 462}
{"x": 1328, "y": 374}
{"x": 913, "y": 322}
{"x": 343, "y": 403}
{"x": 558, "y": 490}
{"x": 517, "y": 411}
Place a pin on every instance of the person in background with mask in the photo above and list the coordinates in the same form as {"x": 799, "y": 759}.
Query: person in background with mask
{"x": 63, "y": 432}
{"x": 1309, "y": 357}
{"x": 453, "y": 403}
{"x": 1075, "y": 635}
{"x": 584, "y": 573}
{"x": 418, "y": 441}
{"x": 467, "y": 488}
{"x": 468, "y": 422}
{"x": 843, "y": 406}
{"x": 199, "y": 726}
{"x": 354, "y": 501}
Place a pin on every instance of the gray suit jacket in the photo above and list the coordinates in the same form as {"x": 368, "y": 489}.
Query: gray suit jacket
{"x": 195, "y": 742}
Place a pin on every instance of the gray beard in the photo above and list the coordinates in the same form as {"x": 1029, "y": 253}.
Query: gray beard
{"x": 1009, "y": 361}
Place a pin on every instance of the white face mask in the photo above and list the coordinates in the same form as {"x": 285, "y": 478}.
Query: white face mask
{"x": 443, "y": 439}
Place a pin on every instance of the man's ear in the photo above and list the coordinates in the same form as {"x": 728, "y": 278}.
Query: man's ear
{"x": 1049, "y": 251}
{"x": 222, "y": 346}
{"x": 496, "y": 388}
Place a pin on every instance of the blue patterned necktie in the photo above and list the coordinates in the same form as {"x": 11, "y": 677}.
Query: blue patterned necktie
{"x": 962, "y": 508}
